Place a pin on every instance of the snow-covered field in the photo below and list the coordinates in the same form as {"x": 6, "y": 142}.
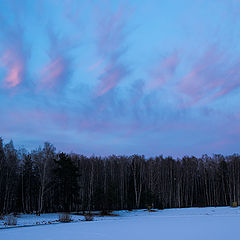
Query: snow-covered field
{"x": 170, "y": 224}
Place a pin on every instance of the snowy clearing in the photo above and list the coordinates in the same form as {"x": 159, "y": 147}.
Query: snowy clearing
{"x": 182, "y": 224}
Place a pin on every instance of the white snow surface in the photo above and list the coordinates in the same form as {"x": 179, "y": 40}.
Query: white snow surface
{"x": 211, "y": 223}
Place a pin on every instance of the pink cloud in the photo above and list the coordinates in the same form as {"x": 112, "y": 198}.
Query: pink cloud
{"x": 164, "y": 72}
{"x": 13, "y": 55}
{"x": 96, "y": 65}
{"x": 111, "y": 76}
{"x": 57, "y": 71}
{"x": 213, "y": 75}
{"x": 110, "y": 33}
{"x": 14, "y": 67}
{"x": 110, "y": 46}
{"x": 51, "y": 73}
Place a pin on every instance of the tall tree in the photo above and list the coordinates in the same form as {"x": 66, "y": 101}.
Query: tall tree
{"x": 67, "y": 184}
{"x": 44, "y": 161}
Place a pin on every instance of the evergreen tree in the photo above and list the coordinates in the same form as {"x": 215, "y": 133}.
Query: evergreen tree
{"x": 66, "y": 179}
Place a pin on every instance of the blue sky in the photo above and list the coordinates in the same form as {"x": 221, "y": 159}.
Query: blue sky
{"x": 121, "y": 77}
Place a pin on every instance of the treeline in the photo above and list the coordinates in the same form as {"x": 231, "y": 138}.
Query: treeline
{"x": 46, "y": 181}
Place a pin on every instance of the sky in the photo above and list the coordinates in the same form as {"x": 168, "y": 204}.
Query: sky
{"x": 121, "y": 77}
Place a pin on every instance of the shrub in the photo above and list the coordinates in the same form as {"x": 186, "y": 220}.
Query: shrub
{"x": 234, "y": 204}
{"x": 149, "y": 207}
{"x": 64, "y": 218}
{"x": 88, "y": 217}
{"x": 11, "y": 220}
{"x": 106, "y": 213}
{"x": 152, "y": 210}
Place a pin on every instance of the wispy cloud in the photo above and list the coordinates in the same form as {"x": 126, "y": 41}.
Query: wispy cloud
{"x": 53, "y": 74}
{"x": 113, "y": 73}
{"x": 13, "y": 55}
{"x": 57, "y": 71}
{"x": 111, "y": 34}
{"x": 163, "y": 72}
{"x": 213, "y": 75}
{"x": 14, "y": 69}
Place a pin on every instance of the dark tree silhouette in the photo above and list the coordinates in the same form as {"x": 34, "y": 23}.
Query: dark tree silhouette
{"x": 45, "y": 181}
{"x": 66, "y": 179}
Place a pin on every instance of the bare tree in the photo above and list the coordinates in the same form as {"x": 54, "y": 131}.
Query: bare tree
{"x": 44, "y": 160}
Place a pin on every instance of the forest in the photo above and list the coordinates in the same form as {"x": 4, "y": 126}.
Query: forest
{"x": 43, "y": 180}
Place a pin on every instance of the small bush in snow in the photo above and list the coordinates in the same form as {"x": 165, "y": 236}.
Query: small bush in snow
{"x": 88, "y": 217}
{"x": 234, "y": 204}
{"x": 37, "y": 213}
{"x": 11, "y": 220}
{"x": 64, "y": 218}
{"x": 106, "y": 212}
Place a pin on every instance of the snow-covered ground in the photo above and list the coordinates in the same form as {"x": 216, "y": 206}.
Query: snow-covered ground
{"x": 170, "y": 224}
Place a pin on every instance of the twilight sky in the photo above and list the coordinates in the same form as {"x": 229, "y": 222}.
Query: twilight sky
{"x": 121, "y": 77}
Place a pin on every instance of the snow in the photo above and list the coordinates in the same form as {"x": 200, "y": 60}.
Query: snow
{"x": 170, "y": 224}
{"x": 32, "y": 219}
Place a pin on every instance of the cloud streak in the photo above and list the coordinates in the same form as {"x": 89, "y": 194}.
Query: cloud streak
{"x": 111, "y": 48}
{"x": 13, "y": 56}
{"x": 214, "y": 75}
{"x": 14, "y": 69}
{"x": 57, "y": 71}
{"x": 163, "y": 72}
